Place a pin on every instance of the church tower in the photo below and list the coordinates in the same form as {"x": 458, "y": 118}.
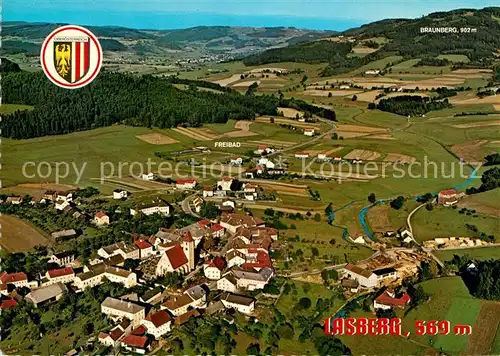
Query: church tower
{"x": 188, "y": 247}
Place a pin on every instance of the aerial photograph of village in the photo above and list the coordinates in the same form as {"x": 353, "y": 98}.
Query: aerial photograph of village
{"x": 246, "y": 177}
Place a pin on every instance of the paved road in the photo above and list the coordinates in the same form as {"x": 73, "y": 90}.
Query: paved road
{"x": 186, "y": 206}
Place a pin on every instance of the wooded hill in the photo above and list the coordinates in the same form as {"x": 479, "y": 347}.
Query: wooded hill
{"x": 405, "y": 39}
{"x": 118, "y": 98}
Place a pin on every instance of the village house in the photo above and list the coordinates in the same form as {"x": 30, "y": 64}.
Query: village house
{"x": 309, "y": 132}
{"x": 120, "y": 194}
{"x": 63, "y": 234}
{"x": 61, "y": 204}
{"x": 208, "y": 192}
{"x": 136, "y": 343}
{"x": 263, "y": 149}
{"x": 240, "y": 303}
{"x": 48, "y": 293}
{"x": 50, "y": 195}
{"x": 232, "y": 222}
{"x": 148, "y": 176}
{"x": 365, "y": 278}
{"x": 18, "y": 279}
{"x": 64, "y": 195}
{"x": 145, "y": 249}
{"x": 158, "y": 323}
{"x": 251, "y": 280}
{"x": 301, "y": 155}
{"x": 235, "y": 258}
{"x": 213, "y": 269}
{"x": 118, "y": 309}
{"x": 229, "y": 203}
{"x": 112, "y": 338}
{"x": 198, "y": 203}
{"x": 63, "y": 275}
{"x": 372, "y": 72}
{"x": 189, "y": 183}
{"x": 101, "y": 219}
{"x": 120, "y": 248}
{"x": 387, "y": 300}
{"x": 225, "y": 183}
{"x": 93, "y": 276}
{"x": 337, "y": 158}
{"x": 236, "y": 161}
{"x": 194, "y": 297}
{"x": 62, "y": 258}
{"x": 447, "y": 197}
{"x": 266, "y": 162}
{"x": 228, "y": 283}
{"x": 322, "y": 157}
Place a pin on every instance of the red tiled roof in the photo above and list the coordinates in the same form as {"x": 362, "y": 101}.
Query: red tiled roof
{"x": 53, "y": 273}
{"x": 176, "y": 256}
{"x": 386, "y": 299}
{"x": 8, "y": 303}
{"x": 227, "y": 179}
{"x": 100, "y": 214}
{"x": 262, "y": 260}
{"x": 263, "y": 147}
{"x": 448, "y": 192}
{"x": 217, "y": 227}
{"x": 103, "y": 335}
{"x": 218, "y": 262}
{"x": 188, "y": 237}
{"x": 142, "y": 244}
{"x": 186, "y": 181}
{"x": 141, "y": 330}
{"x": 13, "y": 277}
{"x": 308, "y": 129}
{"x": 301, "y": 153}
{"x": 135, "y": 341}
{"x": 159, "y": 318}
{"x": 204, "y": 222}
{"x": 116, "y": 333}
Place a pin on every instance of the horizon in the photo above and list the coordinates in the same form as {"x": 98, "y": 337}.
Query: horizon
{"x": 154, "y": 15}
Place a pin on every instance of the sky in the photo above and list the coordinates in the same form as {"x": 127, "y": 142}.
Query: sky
{"x": 170, "y": 14}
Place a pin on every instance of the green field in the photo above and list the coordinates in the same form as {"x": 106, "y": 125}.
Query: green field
{"x": 481, "y": 253}
{"x": 10, "y": 108}
{"x": 449, "y": 300}
{"x": 455, "y": 57}
{"x": 447, "y": 222}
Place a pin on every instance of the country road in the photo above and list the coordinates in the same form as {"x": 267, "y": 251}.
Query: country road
{"x": 186, "y": 206}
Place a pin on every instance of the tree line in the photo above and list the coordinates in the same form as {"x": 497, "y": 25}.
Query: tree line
{"x": 412, "y": 105}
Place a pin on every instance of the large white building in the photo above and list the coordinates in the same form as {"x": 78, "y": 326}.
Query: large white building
{"x": 213, "y": 269}
{"x": 117, "y": 309}
{"x": 365, "y": 278}
{"x": 94, "y": 275}
{"x": 158, "y": 323}
{"x": 240, "y": 303}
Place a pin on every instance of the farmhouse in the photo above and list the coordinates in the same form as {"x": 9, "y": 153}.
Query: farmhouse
{"x": 266, "y": 162}
{"x": 145, "y": 248}
{"x": 240, "y": 303}
{"x": 208, "y": 192}
{"x": 47, "y": 293}
{"x": 112, "y": 338}
{"x": 447, "y": 197}
{"x": 387, "y": 300}
{"x": 120, "y": 194}
{"x": 158, "y": 323}
{"x": 225, "y": 183}
{"x": 309, "y": 131}
{"x": 301, "y": 155}
{"x": 61, "y": 204}
{"x": 365, "y": 278}
{"x": 189, "y": 183}
{"x": 118, "y": 309}
{"x": 101, "y": 219}
{"x": 19, "y": 279}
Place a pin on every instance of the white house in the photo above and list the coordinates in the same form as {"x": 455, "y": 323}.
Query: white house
{"x": 117, "y": 309}
{"x": 194, "y": 297}
{"x": 365, "y": 278}
{"x": 264, "y": 149}
{"x": 208, "y": 192}
{"x": 145, "y": 248}
{"x": 309, "y": 131}
{"x": 120, "y": 194}
{"x": 148, "y": 176}
{"x": 64, "y": 195}
{"x": 322, "y": 157}
{"x": 229, "y": 202}
{"x": 359, "y": 240}
{"x": 237, "y": 161}
{"x": 228, "y": 283}
{"x": 19, "y": 279}
{"x": 14, "y": 200}
{"x": 63, "y": 275}
{"x": 387, "y": 300}
{"x": 266, "y": 162}
{"x": 158, "y": 323}
{"x": 372, "y": 72}
{"x": 240, "y": 303}
{"x": 301, "y": 155}
{"x": 225, "y": 183}
{"x": 197, "y": 202}
{"x": 155, "y": 207}
{"x": 189, "y": 183}
{"x": 101, "y": 219}
{"x": 61, "y": 204}
{"x": 213, "y": 269}
{"x": 235, "y": 258}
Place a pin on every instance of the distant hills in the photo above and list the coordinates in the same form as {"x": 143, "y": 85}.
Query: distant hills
{"x": 24, "y": 37}
{"x": 480, "y": 41}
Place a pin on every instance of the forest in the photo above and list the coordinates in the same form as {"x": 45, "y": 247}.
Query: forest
{"x": 118, "y": 98}
{"x": 412, "y": 105}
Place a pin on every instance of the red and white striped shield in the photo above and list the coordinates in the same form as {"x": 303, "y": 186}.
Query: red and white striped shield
{"x": 81, "y": 59}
